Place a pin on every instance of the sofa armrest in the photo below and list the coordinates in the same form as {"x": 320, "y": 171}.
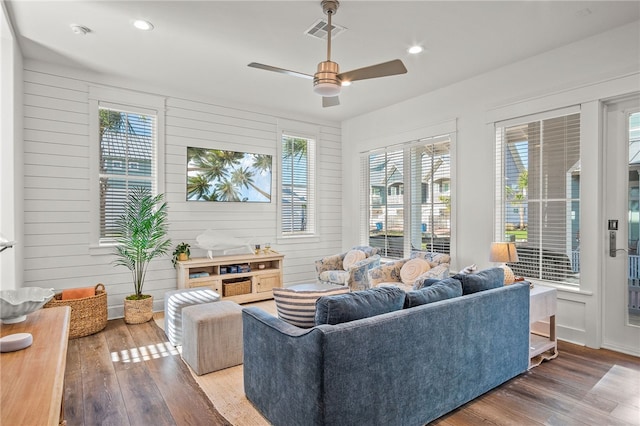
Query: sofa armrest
{"x": 330, "y": 263}
{"x": 386, "y": 272}
{"x": 282, "y": 368}
{"x": 359, "y": 273}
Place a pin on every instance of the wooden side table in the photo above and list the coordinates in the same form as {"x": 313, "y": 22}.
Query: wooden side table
{"x": 32, "y": 379}
{"x": 543, "y": 305}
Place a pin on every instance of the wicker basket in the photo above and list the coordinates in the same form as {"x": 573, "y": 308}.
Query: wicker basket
{"x": 138, "y": 311}
{"x": 88, "y": 315}
{"x": 236, "y": 288}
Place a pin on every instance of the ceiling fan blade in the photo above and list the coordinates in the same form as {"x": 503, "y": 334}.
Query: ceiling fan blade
{"x": 374, "y": 71}
{"x": 280, "y": 70}
{"x": 330, "y": 101}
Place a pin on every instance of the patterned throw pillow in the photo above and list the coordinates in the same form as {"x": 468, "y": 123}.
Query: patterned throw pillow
{"x": 412, "y": 269}
{"x": 298, "y": 307}
{"x": 352, "y": 257}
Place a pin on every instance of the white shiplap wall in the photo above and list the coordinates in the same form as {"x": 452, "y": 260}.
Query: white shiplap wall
{"x": 57, "y": 188}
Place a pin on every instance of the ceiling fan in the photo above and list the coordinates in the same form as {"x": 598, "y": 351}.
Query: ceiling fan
{"x": 328, "y": 79}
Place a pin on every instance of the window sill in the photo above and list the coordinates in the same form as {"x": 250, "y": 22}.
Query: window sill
{"x": 298, "y": 238}
{"x": 101, "y": 250}
{"x": 566, "y": 288}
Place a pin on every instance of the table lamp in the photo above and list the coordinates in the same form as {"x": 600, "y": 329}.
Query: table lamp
{"x": 503, "y": 253}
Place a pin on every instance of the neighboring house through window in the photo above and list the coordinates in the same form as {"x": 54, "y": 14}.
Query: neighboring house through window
{"x": 538, "y": 193}
{"x": 409, "y": 203}
{"x": 297, "y": 185}
{"x": 125, "y": 150}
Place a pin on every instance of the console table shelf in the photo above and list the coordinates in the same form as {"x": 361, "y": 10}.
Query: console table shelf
{"x": 240, "y": 278}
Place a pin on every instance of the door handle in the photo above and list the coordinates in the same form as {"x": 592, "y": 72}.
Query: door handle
{"x": 612, "y": 244}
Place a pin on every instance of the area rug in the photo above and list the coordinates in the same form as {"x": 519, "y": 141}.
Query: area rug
{"x": 225, "y": 388}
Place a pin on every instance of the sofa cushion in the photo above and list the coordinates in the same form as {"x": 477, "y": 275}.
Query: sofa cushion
{"x": 334, "y": 277}
{"x": 352, "y": 257}
{"x": 412, "y": 269}
{"x": 358, "y": 304}
{"x": 440, "y": 290}
{"x": 298, "y": 306}
{"x": 480, "y": 281}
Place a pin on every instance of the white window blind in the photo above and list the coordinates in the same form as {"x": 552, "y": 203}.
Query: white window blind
{"x": 297, "y": 196}
{"x": 538, "y": 195}
{"x": 409, "y": 197}
{"x": 127, "y": 159}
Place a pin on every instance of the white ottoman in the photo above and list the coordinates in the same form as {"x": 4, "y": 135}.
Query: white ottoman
{"x": 175, "y": 301}
{"x": 212, "y": 336}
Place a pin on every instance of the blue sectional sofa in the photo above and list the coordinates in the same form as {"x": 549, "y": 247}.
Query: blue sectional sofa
{"x": 405, "y": 367}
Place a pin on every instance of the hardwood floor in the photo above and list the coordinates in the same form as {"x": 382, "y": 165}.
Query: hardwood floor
{"x": 129, "y": 375}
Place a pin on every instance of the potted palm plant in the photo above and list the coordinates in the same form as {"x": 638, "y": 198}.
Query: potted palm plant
{"x": 142, "y": 237}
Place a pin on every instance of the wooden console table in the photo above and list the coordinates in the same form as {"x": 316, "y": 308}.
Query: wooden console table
{"x": 32, "y": 379}
{"x": 262, "y": 273}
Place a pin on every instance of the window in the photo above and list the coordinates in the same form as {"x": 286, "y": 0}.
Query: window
{"x": 126, "y": 133}
{"x": 415, "y": 214}
{"x": 126, "y": 159}
{"x": 297, "y": 196}
{"x": 538, "y": 194}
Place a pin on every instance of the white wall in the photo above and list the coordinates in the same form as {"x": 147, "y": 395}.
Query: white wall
{"x": 581, "y": 73}
{"x": 10, "y": 153}
{"x": 57, "y": 184}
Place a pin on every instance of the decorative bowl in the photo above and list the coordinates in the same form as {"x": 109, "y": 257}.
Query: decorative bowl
{"x": 16, "y": 304}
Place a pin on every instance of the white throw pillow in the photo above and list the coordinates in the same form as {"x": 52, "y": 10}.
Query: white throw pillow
{"x": 352, "y": 257}
{"x": 412, "y": 269}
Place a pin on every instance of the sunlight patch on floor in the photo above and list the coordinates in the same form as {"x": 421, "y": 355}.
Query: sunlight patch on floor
{"x": 144, "y": 353}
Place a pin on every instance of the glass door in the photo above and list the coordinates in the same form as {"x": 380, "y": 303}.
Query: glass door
{"x": 621, "y": 288}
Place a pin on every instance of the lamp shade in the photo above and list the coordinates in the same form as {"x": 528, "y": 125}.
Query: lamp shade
{"x": 503, "y": 252}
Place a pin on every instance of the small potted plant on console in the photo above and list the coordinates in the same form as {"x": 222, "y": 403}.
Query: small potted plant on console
{"x": 181, "y": 253}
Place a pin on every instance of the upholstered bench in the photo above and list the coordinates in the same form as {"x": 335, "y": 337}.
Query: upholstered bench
{"x": 212, "y": 336}
{"x": 175, "y": 301}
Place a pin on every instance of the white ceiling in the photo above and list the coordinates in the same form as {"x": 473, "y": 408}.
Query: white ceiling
{"x": 202, "y": 48}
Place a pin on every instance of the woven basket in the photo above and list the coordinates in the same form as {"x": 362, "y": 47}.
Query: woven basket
{"x": 138, "y": 311}
{"x": 236, "y": 288}
{"x": 88, "y": 315}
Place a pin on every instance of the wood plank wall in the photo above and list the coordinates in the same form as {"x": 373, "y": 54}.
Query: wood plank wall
{"x": 57, "y": 188}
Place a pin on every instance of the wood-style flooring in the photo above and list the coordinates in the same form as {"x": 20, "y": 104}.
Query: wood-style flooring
{"x": 129, "y": 375}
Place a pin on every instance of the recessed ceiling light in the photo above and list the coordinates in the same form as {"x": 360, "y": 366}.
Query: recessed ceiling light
{"x": 583, "y": 12}
{"x": 346, "y": 83}
{"x": 414, "y": 50}
{"x": 143, "y": 25}
{"x": 79, "y": 29}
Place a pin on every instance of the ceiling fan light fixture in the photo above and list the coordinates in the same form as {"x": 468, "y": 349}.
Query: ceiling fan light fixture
{"x": 326, "y": 81}
{"x": 327, "y": 89}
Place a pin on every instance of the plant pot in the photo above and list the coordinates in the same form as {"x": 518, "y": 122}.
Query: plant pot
{"x": 183, "y": 256}
{"x": 138, "y": 311}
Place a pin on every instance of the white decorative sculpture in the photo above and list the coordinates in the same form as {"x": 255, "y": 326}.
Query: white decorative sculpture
{"x": 218, "y": 244}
